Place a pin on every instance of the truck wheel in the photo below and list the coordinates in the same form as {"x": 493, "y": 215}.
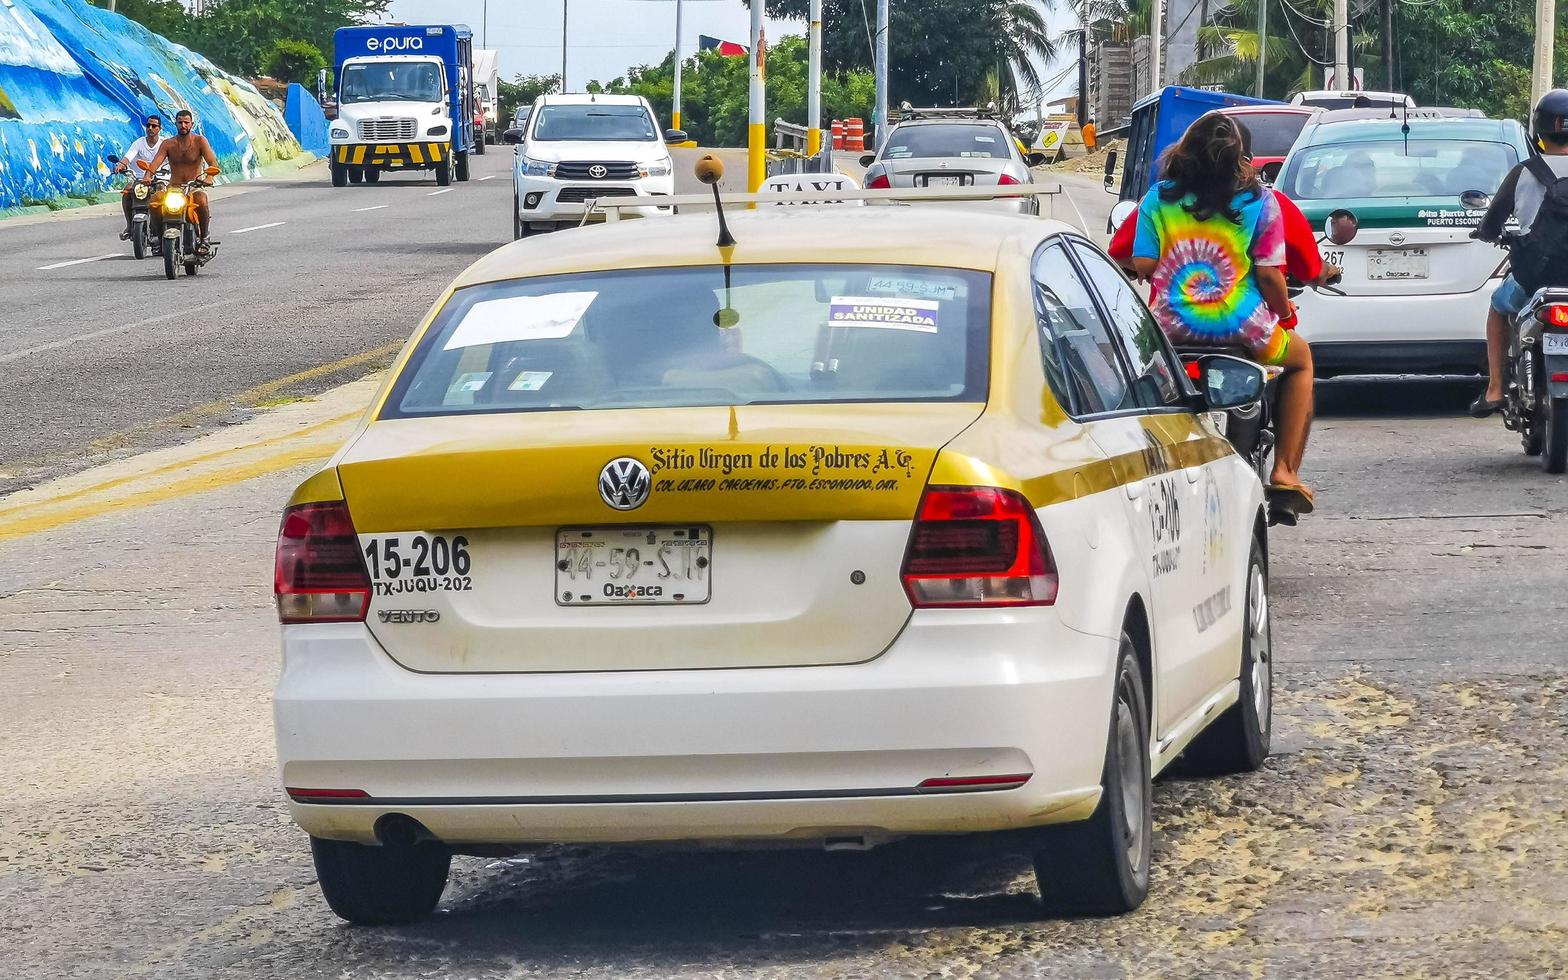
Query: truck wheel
{"x": 380, "y": 885}
{"x": 1100, "y": 866}
{"x": 339, "y": 174}
{"x": 462, "y": 166}
{"x": 372, "y": 175}
{"x": 1554, "y": 444}
{"x": 444, "y": 173}
{"x": 356, "y": 175}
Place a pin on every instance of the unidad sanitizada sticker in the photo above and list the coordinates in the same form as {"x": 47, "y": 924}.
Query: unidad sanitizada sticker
{"x": 884, "y": 313}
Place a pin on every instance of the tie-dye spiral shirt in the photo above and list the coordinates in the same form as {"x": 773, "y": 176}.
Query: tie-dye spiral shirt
{"x": 1205, "y": 287}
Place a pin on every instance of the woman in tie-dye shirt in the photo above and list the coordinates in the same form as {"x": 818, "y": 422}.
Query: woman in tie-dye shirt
{"x": 1211, "y": 240}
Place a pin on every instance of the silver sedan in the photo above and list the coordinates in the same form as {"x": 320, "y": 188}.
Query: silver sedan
{"x": 950, "y": 153}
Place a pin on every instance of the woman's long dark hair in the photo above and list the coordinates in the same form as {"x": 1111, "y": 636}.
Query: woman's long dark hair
{"x": 1211, "y": 163}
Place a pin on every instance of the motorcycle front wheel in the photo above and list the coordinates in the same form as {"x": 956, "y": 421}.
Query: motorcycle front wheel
{"x": 139, "y": 239}
{"x": 170, "y": 259}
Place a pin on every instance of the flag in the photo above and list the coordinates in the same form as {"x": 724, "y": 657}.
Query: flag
{"x": 728, "y": 49}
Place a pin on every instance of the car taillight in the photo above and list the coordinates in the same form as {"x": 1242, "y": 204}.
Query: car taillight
{"x": 1556, "y": 315}
{"x": 1007, "y": 179}
{"x": 320, "y": 576}
{"x": 978, "y": 546}
{"x": 878, "y": 183}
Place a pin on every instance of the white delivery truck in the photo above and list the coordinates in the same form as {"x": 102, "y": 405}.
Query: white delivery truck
{"x": 487, "y": 90}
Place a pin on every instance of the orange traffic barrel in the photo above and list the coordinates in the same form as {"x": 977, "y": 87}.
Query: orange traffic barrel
{"x": 838, "y": 134}
{"x": 855, "y": 135}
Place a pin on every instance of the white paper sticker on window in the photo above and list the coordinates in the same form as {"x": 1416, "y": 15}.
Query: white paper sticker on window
{"x": 500, "y": 321}
{"x": 884, "y": 312}
{"x": 910, "y": 286}
{"x": 530, "y": 380}
{"x": 985, "y": 139}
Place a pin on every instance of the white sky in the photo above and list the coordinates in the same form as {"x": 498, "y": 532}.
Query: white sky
{"x": 606, "y": 36}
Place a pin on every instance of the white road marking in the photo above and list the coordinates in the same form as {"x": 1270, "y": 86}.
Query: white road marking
{"x": 488, "y": 177}
{"x": 376, "y": 207}
{"x": 17, "y": 355}
{"x": 241, "y": 231}
{"x": 95, "y": 258}
{"x": 444, "y": 190}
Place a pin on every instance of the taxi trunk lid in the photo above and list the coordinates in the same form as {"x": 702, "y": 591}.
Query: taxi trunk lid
{"x": 799, "y": 537}
{"x": 1420, "y": 250}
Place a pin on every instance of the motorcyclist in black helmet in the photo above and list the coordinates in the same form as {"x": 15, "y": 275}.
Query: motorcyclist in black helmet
{"x": 1520, "y": 196}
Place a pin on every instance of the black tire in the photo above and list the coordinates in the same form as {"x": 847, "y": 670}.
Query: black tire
{"x": 1554, "y": 440}
{"x": 339, "y": 174}
{"x": 356, "y": 175}
{"x": 444, "y": 173}
{"x": 170, "y": 263}
{"x": 462, "y": 166}
{"x": 1238, "y": 740}
{"x": 479, "y": 144}
{"x": 371, "y": 885}
{"x": 1100, "y": 866}
{"x": 372, "y": 175}
{"x": 519, "y": 226}
{"x": 139, "y": 239}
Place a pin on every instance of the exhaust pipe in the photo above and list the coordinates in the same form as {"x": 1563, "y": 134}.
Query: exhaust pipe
{"x": 401, "y": 830}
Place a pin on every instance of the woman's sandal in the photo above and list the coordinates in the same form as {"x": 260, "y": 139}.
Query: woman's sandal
{"x": 1287, "y": 502}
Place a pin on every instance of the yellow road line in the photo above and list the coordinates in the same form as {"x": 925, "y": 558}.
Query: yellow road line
{"x": 296, "y": 456}
{"x": 179, "y": 464}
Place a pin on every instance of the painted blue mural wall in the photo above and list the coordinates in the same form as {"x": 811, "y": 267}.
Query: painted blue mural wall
{"x": 75, "y": 81}
{"x": 306, "y": 120}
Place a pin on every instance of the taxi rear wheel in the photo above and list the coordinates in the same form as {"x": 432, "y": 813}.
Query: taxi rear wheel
{"x": 1238, "y": 740}
{"x": 1100, "y": 866}
{"x": 372, "y": 885}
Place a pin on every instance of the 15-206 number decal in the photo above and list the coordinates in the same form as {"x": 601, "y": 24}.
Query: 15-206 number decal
{"x": 419, "y": 563}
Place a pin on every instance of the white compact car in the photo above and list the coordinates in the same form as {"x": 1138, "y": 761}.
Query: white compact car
{"x": 581, "y": 147}
{"x": 1416, "y": 286}
{"x": 875, "y": 524}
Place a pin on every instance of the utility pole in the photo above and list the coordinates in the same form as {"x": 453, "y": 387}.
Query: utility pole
{"x": 1156, "y": 41}
{"x": 1263, "y": 43}
{"x": 1388, "y": 45}
{"x": 1342, "y": 77}
{"x": 757, "y": 127}
{"x": 484, "y": 24}
{"x": 880, "y": 122}
{"x": 1541, "y": 75}
{"x": 814, "y": 81}
{"x": 1083, "y": 69}
{"x": 675, "y": 96}
{"x": 563, "y": 46}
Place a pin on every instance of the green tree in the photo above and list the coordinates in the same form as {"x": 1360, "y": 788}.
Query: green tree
{"x": 238, "y": 35}
{"x": 522, "y": 90}
{"x": 293, "y": 61}
{"x": 940, "y": 52}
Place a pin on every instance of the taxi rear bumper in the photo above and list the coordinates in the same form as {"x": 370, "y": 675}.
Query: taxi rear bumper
{"x": 807, "y": 754}
{"x": 1396, "y": 334}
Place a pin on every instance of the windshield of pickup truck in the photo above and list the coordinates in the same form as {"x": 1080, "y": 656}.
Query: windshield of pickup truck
{"x": 594, "y": 122}
{"x": 391, "y": 82}
{"x": 1387, "y": 169}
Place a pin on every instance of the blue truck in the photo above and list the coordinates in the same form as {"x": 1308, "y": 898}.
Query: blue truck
{"x": 1156, "y": 122}
{"x": 405, "y": 101}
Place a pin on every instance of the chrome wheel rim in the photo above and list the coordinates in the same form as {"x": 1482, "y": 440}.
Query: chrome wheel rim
{"x": 1132, "y": 783}
{"x": 1258, "y": 640}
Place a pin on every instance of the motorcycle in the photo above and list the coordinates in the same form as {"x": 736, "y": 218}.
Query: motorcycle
{"x": 142, "y": 195}
{"x": 1535, "y": 380}
{"x": 180, "y": 224}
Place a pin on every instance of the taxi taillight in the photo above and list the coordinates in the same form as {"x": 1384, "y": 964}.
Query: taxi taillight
{"x": 1556, "y": 315}
{"x": 319, "y": 575}
{"x": 978, "y": 546}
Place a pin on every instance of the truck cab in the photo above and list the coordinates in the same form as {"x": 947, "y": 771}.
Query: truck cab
{"x": 405, "y": 102}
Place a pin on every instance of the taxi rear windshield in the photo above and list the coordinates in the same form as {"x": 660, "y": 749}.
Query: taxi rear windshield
{"x": 1391, "y": 169}
{"x": 703, "y": 335}
{"x": 979, "y": 142}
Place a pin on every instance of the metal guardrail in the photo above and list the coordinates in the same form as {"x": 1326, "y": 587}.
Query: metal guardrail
{"x": 792, "y": 159}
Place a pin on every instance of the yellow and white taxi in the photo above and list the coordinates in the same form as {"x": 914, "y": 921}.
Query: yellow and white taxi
{"x": 872, "y": 524}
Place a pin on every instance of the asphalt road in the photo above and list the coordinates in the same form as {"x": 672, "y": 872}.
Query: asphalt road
{"x": 1412, "y": 821}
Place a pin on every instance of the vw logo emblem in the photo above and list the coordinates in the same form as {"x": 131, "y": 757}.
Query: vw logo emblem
{"x": 624, "y": 483}
{"x": 598, "y": 172}
{"x": 1397, "y": 238}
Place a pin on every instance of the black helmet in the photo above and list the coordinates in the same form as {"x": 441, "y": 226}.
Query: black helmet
{"x": 1551, "y": 113}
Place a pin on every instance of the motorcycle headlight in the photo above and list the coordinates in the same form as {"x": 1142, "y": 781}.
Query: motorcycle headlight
{"x": 174, "y": 202}
{"x": 655, "y": 169}
{"x": 538, "y": 168}
{"x": 140, "y": 192}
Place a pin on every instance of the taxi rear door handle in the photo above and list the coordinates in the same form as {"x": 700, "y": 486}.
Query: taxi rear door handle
{"x": 1134, "y": 489}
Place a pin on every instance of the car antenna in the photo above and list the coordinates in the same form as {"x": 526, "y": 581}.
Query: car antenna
{"x": 710, "y": 170}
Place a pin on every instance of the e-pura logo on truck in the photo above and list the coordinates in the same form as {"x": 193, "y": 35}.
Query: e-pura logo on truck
{"x": 395, "y": 44}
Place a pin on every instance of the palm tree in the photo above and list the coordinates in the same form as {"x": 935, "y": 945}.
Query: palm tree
{"x": 1297, "y": 46}
{"x": 1022, "y": 38}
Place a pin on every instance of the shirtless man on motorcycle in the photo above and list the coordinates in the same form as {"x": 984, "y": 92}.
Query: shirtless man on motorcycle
{"x": 188, "y": 155}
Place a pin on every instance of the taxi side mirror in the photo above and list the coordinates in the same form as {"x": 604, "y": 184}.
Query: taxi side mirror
{"x": 867, "y": 159}
{"x": 1226, "y": 382}
{"x": 675, "y": 136}
{"x": 1110, "y": 171}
